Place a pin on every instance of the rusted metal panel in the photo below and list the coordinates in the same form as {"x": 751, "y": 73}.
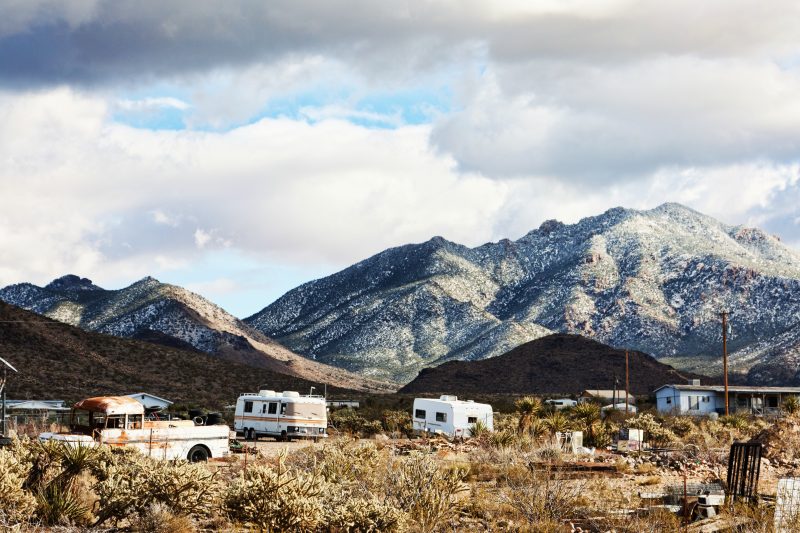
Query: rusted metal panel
{"x": 111, "y": 405}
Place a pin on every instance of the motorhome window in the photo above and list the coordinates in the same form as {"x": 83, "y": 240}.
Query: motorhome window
{"x": 273, "y": 408}
{"x": 134, "y": 421}
{"x": 305, "y": 410}
{"x": 441, "y": 417}
{"x": 283, "y": 408}
{"x": 263, "y": 409}
{"x": 419, "y": 413}
{"x": 472, "y": 420}
{"x": 248, "y": 407}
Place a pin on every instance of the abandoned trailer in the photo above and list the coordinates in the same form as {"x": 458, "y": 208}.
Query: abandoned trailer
{"x": 697, "y": 399}
{"x": 450, "y": 416}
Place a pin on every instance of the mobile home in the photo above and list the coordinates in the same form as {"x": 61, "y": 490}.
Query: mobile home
{"x": 283, "y": 415}
{"x": 449, "y": 416}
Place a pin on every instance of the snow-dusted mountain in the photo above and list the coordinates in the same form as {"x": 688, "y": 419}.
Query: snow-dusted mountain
{"x": 652, "y": 280}
{"x": 170, "y": 315}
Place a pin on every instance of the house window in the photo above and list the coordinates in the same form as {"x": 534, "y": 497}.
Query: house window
{"x": 248, "y": 407}
{"x": 472, "y": 420}
{"x": 441, "y": 417}
{"x": 273, "y": 408}
{"x": 419, "y": 413}
{"x": 669, "y": 399}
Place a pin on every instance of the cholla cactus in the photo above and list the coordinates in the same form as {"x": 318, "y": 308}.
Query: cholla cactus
{"x": 276, "y": 499}
{"x": 16, "y": 503}
{"x": 363, "y": 515}
{"x": 132, "y": 483}
{"x": 426, "y": 492}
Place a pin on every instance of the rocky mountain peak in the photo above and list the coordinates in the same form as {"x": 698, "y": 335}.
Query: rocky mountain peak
{"x": 71, "y": 282}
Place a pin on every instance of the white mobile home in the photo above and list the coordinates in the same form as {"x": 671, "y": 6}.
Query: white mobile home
{"x": 696, "y": 399}
{"x": 450, "y": 416}
{"x": 283, "y": 415}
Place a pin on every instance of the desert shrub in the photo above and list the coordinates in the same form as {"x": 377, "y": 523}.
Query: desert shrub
{"x": 159, "y": 518}
{"x": 550, "y": 454}
{"x": 427, "y": 493}
{"x": 791, "y": 405}
{"x": 343, "y": 512}
{"x": 16, "y": 503}
{"x": 680, "y": 425}
{"x": 350, "y": 422}
{"x": 654, "y": 431}
{"x": 397, "y": 422}
{"x": 133, "y": 484}
{"x": 276, "y": 499}
{"x": 736, "y": 421}
{"x": 542, "y": 499}
{"x": 347, "y": 461}
{"x": 478, "y": 430}
{"x": 502, "y": 439}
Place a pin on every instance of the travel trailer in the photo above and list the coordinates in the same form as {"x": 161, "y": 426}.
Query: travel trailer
{"x": 283, "y": 415}
{"x": 119, "y": 421}
{"x": 449, "y": 416}
{"x": 563, "y": 403}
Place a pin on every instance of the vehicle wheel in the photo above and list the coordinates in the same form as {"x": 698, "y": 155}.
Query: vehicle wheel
{"x": 198, "y": 454}
{"x": 283, "y": 436}
{"x": 251, "y": 434}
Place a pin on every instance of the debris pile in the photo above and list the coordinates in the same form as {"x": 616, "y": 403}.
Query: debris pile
{"x": 781, "y": 442}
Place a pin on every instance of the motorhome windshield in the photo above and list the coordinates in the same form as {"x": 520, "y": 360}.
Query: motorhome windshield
{"x": 305, "y": 410}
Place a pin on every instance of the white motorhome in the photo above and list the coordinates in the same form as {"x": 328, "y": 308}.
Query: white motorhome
{"x": 283, "y": 415}
{"x": 450, "y": 416}
{"x": 563, "y": 403}
{"x": 119, "y": 421}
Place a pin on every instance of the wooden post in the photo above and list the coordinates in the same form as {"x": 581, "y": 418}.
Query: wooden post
{"x": 725, "y": 357}
{"x": 627, "y": 383}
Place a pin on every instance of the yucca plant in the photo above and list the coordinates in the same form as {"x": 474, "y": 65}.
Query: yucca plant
{"x": 556, "y": 422}
{"x": 791, "y": 405}
{"x": 59, "y": 504}
{"x": 588, "y": 416}
{"x": 528, "y": 407}
{"x": 478, "y": 430}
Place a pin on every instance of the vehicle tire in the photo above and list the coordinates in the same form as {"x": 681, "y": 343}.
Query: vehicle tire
{"x": 198, "y": 454}
{"x": 251, "y": 433}
{"x": 283, "y": 436}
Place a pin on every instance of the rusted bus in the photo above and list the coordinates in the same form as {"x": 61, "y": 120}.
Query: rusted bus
{"x": 119, "y": 421}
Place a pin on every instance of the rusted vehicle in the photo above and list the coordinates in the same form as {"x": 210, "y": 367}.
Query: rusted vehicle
{"x": 120, "y": 421}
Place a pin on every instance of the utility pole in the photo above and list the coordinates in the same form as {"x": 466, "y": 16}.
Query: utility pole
{"x": 725, "y": 357}
{"x": 627, "y": 382}
{"x": 3, "y": 382}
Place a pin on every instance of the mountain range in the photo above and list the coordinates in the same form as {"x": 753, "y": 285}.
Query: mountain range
{"x": 653, "y": 281}
{"x": 170, "y": 315}
{"x": 648, "y": 280}
{"x": 56, "y": 360}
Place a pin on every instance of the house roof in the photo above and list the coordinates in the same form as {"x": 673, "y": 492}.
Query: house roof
{"x": 605, "y": 393}
{"x": 135, "y": 394}
{"x": 34, "y": 405}
{"x": 733, "y": 388}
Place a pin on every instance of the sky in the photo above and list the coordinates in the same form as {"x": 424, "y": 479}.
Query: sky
{"x": 242, "y": 148}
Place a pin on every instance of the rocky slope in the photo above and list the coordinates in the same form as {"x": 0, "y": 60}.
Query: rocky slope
{"x": 154, "y": 311}
{"x": 555, "y": 364}
{"x": 651, "y": 280}
{"x": 56, "y": 360}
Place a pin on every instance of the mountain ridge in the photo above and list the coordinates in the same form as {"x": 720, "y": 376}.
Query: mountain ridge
{"x": 652, "y": 280}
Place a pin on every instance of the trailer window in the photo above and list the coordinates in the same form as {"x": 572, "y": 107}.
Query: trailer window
{"x": 273, "y": 408}
{"x": 248, "y": 407}
{"x": 283, "y": 408}
{"x": 441, "y": 417}
{"x": 472, "y": 420}
{"x": 309, "y": 410}
{"x": 419, "y": 413}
